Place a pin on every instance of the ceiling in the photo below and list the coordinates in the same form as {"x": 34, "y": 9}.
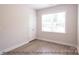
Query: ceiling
{"x": 40, "y": 6}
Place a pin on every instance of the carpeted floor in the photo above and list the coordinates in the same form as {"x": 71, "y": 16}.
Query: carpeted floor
{"x": 39, "y": 47}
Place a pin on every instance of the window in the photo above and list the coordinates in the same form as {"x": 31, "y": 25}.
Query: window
{"x": 54, "y": 22}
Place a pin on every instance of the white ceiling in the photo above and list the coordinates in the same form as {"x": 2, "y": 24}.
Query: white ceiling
{"x": 40, "y": 6}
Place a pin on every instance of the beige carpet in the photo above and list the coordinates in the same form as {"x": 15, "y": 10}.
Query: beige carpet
{"x": 38, "y": 47}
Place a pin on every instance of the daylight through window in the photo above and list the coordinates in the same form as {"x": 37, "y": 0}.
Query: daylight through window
{"x": 54, "y": 22}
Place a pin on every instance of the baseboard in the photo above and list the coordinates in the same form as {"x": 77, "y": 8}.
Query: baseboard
{"x": 16, "y": 46}
{"x": 13, "y": 47}
{"x": 57, "y": 42}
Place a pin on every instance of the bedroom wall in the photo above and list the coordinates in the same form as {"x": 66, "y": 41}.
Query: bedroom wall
{"x": 17, "y": 25}
{"x": 68, "y": 38}
{"x": 78, "y": 31}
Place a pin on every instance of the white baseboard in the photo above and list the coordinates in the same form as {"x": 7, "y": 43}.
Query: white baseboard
{"x": 21, "y": 44}
{"x": 13, "y": 47}
{"x": 57, "y": 42}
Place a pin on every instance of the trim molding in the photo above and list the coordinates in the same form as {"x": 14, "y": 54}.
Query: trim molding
{"x": 16, "y": 46}
{"x": 13, "y": 47}
{"x": 57, "y": 42}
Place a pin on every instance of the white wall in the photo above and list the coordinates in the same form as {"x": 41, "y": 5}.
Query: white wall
{"x": 78, "y": 31}
{"x": 17, "y": 25}
{"x": 68, "y": 38}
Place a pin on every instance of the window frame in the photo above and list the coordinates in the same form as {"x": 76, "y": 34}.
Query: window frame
{"x": 64, "y": 31}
